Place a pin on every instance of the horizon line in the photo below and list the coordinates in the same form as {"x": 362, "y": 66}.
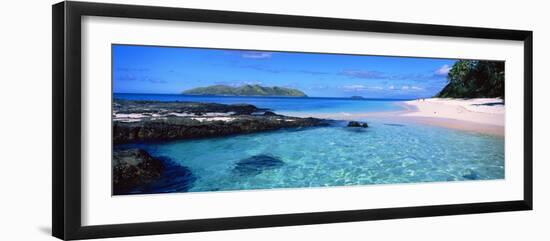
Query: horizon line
{"x": 260, "y": 96}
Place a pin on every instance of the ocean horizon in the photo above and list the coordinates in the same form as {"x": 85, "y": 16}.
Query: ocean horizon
{"x": 284, "y": 105}
{"x": 271, "y": 97}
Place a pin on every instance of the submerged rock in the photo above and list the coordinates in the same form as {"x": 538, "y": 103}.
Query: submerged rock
{"x": 174, "y": 178}
{"x": 471, "y": 175}
{"x": 254, "y": 165}
{"x": 358, "y": 124}
{"x": 132, "y": 168}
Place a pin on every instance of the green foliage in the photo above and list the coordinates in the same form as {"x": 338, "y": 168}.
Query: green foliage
{"x": 475, "y": 79}
{"x": 245, "y": 90}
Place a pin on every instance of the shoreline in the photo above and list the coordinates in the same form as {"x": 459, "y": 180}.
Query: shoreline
{"x": 481, "y": 115}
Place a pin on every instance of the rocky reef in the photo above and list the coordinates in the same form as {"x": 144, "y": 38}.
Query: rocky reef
{"x": 358, "y": 124}
{"x": 134, "y": 167}
{"x": 179, "y": 108}
{"x": 136, "y": 171}
{"x": 137, "y": 121}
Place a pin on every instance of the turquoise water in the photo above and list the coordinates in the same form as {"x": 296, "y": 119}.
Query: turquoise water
{"x": 282, "y": 105}
{"x": 387, "y": 152}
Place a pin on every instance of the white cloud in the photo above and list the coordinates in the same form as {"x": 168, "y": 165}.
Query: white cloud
{"x": 410, "y": 87}
{"x": 358, "y": 87}
{"x": 238, "y": 83}
{"x": 443, "y": 70}
{"x": 364, "y": 74}
{"x": 256, "y": 55}
{"x": 354, "y": 87}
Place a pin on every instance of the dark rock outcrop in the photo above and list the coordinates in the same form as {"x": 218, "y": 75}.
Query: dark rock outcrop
{"x": 136, "y": 172}
{"x": 254, "y": 165}
{"x": 132, "y": 168}
{"x": 358, "y": 124}
{"x": 269, "y": 113}
{"x": 137, "y": 121}
{"x": 186, "y": 128}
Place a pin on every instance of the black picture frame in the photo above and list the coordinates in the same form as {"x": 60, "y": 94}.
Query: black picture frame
{"x": 66, "y": 169}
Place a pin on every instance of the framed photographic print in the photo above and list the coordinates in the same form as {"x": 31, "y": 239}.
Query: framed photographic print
{"x": 170, "y": 120}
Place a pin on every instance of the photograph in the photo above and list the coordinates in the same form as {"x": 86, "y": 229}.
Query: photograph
{"x": 187, "y": 119}
{"x": 275, "y": 120}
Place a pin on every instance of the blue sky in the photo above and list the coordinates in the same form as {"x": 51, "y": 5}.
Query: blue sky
{"x": 170, "y": 70}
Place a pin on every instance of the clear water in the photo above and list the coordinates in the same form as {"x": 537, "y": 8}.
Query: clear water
{"x": 387, "y": 152}
{"x": 340, "y": 156}
{"x": 282, "y": 105}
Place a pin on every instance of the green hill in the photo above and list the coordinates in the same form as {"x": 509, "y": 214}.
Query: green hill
{"x": 245, "y": 90}
{"x": 475, "y": 79}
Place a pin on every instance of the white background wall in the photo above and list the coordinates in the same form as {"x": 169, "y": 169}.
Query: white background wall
{"x": 25, "y": 119}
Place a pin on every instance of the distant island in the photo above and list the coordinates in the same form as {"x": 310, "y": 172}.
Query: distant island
{"x": 357, "y": 97}
{"x": 245, "y": 90}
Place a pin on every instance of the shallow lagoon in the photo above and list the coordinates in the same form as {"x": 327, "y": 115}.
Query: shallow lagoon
{"x": 387, "y": 152}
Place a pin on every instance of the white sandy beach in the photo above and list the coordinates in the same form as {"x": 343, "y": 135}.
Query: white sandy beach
{"x": 483, "y": 115}
{"x": 483, "y": 111}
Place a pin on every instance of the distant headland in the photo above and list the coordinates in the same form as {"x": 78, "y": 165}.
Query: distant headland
{"x": 245, "y": 90}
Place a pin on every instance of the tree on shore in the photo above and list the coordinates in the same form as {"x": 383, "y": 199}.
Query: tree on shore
{"x": 475, "y": 79}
